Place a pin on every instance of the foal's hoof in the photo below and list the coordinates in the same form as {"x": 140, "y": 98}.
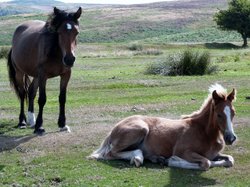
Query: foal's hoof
{"x": 65, "y": 128}
{"x": 22, "y": 125}
{"x": 229, "y": 162}
{"x": 137, "y": 160}
{"x": 39, "y": 131}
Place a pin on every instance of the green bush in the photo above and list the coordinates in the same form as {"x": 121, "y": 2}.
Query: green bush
{"x": 135, "y": 47}
{"x": 187, "y": 62}
{"x": 4, "y": 51}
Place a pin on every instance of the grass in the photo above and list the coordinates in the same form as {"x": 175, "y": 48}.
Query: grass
{"x": 107, "y": 82}
{"x": 163, "y": 23}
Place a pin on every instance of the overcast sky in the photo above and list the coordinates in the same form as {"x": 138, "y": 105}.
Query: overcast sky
{"x": 109, "y": 1}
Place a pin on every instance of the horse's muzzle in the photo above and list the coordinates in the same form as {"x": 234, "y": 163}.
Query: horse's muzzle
{"x": 69, "y": 60}
{"x": 229, "y": 138}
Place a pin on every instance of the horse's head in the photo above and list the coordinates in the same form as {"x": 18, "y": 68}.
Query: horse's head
{"x": 67, "y": 27}
{"x": 224, "y": 113}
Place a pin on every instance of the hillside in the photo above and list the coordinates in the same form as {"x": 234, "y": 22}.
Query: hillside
{"x": 176, "y": 21}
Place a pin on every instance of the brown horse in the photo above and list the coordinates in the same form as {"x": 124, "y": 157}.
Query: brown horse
{"x": 193, "y": 142}
{"x": 43, "y": 50}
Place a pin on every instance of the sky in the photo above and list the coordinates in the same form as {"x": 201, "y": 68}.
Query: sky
{"x": 108, "y": 1}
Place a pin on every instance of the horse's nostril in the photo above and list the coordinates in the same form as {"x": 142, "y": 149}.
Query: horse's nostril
{"x": 233, "y": 138}
{"x": 229, "y": 139}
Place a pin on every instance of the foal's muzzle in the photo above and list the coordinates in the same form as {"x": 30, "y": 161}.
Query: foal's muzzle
{"x": 69, "y": 60}
{"x": 229, "y": 138}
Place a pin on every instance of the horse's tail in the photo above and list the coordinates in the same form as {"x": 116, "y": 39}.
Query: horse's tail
{"x": 13, "y": 81}
{"x": 103, "y": 151}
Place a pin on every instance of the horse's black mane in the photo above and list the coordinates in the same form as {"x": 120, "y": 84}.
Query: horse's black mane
{"x": 56, "y": 19}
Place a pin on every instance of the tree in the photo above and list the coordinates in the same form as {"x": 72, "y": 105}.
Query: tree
{"x": 236, "y": 17}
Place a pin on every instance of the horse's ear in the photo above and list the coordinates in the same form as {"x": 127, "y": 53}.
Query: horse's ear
{"x": 78, "y": 13}
{"x": 232, "y": 95}
{"x": 216, "y": 97}
{"x": 56, "y": 11}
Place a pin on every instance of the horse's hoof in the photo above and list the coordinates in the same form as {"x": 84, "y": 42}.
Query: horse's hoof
{"x": 22, "y": 125}
{"x": 65, "y": 128}
{"x": 229, "y": 162}
{"x": 137, "y": 160}
{"x": 39, "y": 131}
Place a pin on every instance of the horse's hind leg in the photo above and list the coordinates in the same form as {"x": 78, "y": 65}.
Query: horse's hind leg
{"x": 125, "y": 142}
{"x": 135, "y": 156}
{"x": 21, "y": 93}
{"x": 41, "y": 102}
{"x": 32, "y": 94}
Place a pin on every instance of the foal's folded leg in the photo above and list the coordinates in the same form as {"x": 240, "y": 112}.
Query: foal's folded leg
{"x": 175, "y": 161}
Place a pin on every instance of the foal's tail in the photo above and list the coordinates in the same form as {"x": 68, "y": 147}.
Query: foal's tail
{"x": 13, "y": 81}
{"x": 103, "y": 150}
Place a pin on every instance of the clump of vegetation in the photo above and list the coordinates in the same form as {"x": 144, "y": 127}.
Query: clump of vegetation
{"x": 135, "y": 47}
{"x": 4, "y": 52}
{"x": 154, "y": 52}
{"x": 187, "y": 62}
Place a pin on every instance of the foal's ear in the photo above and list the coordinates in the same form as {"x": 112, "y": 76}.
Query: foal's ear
{"x": 78, "y": 13}
{"x": 232, "y": 95}
{"x": 216, "y": 97}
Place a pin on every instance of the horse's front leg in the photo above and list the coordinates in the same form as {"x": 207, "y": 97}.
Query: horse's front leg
{"x": 189, "y": 160}
{"x": 62, "y": 100}
{"x": 222, "y": 160}
{"x": 41, "y": 102}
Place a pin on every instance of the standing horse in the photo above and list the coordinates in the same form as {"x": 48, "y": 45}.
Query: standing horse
{"x": 193, "y": 142}
{"x": 43, "y": 50}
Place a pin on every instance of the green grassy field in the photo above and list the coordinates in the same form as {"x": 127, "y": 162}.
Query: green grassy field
{"x": 160, "y": 23}
{"x": 108, "y": 84}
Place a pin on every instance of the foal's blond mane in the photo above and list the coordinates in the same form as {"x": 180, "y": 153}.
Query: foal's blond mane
{"x": 222, "y": 92}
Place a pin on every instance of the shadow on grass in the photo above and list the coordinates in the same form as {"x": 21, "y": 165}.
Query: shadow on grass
{"x": 8, "y": 142}
{"x": 216, "y": 45}
{"x": 182, "y": 177}
{"x": 11, "y": 142}
{"x": 177, "y": 177}
{"x": 1, "y": 167}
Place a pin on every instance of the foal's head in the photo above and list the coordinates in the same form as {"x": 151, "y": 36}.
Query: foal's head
{"x": 66, "y": 26}
{"x": 224, "y": 113}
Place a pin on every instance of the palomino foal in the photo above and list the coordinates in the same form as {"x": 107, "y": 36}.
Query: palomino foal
{"x": 192, "y": 142}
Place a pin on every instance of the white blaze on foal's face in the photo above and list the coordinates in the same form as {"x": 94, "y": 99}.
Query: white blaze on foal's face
{"x": 229, "y": 135}
{"x": 229, "y": 124}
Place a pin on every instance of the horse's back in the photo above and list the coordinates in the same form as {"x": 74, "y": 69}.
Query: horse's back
{"x": 27, "y": 30}
{"x": 25, "y": 44}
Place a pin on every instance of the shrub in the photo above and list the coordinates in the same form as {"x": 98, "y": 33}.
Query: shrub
{"x": 185, "y": 63}
{"x": 154, "y": 52}
{"x": 4, "y": 52}
{"x": 135, "y": 47}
